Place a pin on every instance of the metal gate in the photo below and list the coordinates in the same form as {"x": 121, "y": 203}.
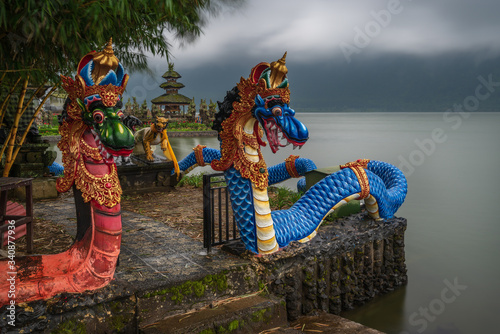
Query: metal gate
{"x": 219, "y": 225}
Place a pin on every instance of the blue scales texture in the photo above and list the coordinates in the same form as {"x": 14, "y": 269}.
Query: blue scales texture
{"x": 278, "y": 173}
{"x": 240, "y": 191}
{"x": 209, "y": 154}
{"x": 387, "y": 184}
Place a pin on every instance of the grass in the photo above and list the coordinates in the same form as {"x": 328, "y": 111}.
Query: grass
{"x": 183, "y": 126}
{"x": 195, "y": 180}
{"x": 282, "y": 198}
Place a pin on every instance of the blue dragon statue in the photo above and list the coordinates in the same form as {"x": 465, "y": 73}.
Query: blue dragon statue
{"x": 260, "y": 105}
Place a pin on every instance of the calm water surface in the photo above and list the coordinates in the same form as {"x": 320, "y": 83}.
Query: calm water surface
{"x": 452, "y": 239}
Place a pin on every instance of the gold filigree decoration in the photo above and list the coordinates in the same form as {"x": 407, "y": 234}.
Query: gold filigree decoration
{"x": 71, "y": 132}
{"x": 358, "y": 167}
{"x": 234, "y": 138}
{"x": 89, "y": 151}
{"x": 278, "y": 72}
{"x": 104, "y": 61}
{"x": 75, "y": 90}
{"x": 109, "y": 93}
{"x": 198, "y": 154}
{"x": 290, "y": 165}
{"x": 104, "y": 189}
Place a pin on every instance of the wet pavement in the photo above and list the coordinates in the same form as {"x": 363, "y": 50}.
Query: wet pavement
{"x": 151, "y": 253}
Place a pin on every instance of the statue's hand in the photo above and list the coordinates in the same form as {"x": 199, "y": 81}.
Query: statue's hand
{"x": 131, "y": 122}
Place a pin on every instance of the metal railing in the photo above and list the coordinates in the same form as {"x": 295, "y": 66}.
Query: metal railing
{"x": 219, "y": 225}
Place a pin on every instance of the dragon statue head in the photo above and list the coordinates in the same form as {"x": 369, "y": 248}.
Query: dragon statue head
{"x": 92, "y": 127}
{"x": 272, "y": 110}
{"x": 257, "y": 105}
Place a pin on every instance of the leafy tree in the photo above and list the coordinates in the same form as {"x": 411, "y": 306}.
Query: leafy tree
{"x": 39, "y": 40}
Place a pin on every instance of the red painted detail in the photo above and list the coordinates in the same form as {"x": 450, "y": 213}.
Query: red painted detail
{"x": 88, "y": 264}
{"x": 97, "y": 168}
{"x": 257, "y": 71}
{"x": 124, "y": 151}
{"x": 88, "y": 137}
{"x": 14, "y": 209}
{"x": 256, "y": 134}
{"x": 86, "y": 59}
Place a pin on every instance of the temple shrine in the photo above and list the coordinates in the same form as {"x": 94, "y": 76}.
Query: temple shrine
{"x": 171, "y": 101}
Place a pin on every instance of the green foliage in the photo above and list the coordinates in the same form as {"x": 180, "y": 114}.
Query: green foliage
{"x": 48, "y": 38}
{"x": 195, "y": 180}
{"x": 187, "y": 126}
{"x": 233, "y": 325}
{"x": 48, "y": 130}
{"x": 282, "y": 198}
{"x": 207, "y": 331}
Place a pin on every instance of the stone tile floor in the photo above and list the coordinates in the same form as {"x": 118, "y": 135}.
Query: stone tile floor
{"x": 151, "y": 253}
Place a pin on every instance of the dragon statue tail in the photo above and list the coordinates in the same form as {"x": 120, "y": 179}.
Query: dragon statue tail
{"x": 382, "y": 185}
{"x": 88, "y": 264}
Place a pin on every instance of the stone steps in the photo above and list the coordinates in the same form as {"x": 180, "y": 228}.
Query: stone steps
{"x": 253, "y": 314}
{"x": 249, "y": 314}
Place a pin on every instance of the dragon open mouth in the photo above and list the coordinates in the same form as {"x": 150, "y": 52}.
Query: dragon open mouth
{"x": 108, "y": 153}
{"x": 277, "y": 137}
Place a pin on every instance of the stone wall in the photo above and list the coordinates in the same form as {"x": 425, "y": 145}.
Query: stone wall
{"x": 144, "y": 177}
{"x": 348, "y": 263}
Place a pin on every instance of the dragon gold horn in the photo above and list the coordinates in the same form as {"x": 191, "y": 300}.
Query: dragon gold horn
{"x": 278, "y": 71}
{"x": 104, "y": 61}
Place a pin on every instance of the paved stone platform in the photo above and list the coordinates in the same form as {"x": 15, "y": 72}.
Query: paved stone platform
{"x": 152, "y": 253}
{"x": 163, "y": 273}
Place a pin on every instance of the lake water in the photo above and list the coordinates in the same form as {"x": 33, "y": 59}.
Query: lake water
{"x": 452, "y": 241}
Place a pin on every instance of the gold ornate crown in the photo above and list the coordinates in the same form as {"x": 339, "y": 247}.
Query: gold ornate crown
{"x": 267, "y": 80}
{"x": 104, "y": 61}
{"x": 100, "y": 76}
{"x": 278, "y": 72}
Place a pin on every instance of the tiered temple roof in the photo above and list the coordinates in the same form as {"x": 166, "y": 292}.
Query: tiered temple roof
{"x": 172, "y": 100}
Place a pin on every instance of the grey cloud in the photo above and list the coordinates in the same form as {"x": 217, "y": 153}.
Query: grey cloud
{"x": 423, "y": 32}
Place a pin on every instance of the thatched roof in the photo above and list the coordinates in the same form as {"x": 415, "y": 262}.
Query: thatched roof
{"x": 171, "y": 99}
{"x": 171, "y": 84}
{"x": 171, "y": 73}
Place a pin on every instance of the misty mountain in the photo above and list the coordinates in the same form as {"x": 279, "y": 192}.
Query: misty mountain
{"x": 385, "y": 83}
{"x": 395, "y": 83}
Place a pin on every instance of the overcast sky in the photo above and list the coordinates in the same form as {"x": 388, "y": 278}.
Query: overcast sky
{"x": 325, "y": 33}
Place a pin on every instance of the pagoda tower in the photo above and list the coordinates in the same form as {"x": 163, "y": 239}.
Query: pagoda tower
{"x": 171, "y": 101}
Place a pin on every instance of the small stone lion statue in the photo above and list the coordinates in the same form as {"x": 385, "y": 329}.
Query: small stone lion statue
{"x": 154, "y": 135}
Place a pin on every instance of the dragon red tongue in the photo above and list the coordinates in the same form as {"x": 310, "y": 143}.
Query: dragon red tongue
{"x": 121, "y": 152}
